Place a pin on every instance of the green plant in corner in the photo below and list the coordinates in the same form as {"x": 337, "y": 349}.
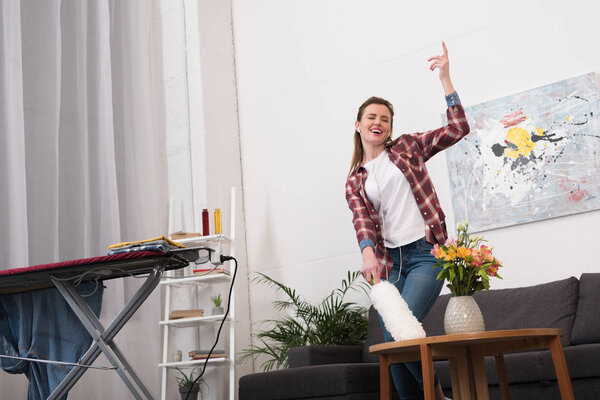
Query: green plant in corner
{"x": 216, "y": 300}
{"x": 188, "y": 385}
{"x": 332, "y": 321}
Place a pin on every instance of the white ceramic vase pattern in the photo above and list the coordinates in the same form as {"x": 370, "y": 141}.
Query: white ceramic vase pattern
{"x": 463, "y": 316}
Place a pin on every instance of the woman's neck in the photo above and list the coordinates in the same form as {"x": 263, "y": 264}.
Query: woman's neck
{"x": 371, "y": 153}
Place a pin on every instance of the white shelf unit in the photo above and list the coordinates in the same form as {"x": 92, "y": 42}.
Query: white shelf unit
{"x": 200, "y": 281}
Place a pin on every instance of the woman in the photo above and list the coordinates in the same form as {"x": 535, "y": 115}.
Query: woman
{"x": 396, "y": 212}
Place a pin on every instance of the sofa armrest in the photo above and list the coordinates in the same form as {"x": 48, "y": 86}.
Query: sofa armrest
{"x": 304, "y": 356}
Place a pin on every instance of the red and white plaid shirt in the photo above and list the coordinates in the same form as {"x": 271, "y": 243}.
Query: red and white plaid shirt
{"x": 408, "y": 152}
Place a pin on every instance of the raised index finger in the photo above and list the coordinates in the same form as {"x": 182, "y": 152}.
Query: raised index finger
{"x": 445, "y": 49}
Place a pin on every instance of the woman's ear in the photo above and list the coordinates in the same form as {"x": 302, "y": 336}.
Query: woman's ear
{"x": 357, "y": 126}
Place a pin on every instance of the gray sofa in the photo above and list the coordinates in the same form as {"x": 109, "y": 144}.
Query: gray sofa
{"x": 350, "y": 372}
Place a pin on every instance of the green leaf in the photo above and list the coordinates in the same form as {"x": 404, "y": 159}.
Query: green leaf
{"x": 331, "y": 321}
{"x": 441, "y": 276}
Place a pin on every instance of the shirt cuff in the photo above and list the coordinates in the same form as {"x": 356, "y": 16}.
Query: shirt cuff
{"x": 452, "y": 99}
{"x": 366, "y": 243}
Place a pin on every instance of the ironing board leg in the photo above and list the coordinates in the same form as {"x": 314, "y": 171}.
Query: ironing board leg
{"x": 103, "y": 338}
{"x": 96, "y": 330}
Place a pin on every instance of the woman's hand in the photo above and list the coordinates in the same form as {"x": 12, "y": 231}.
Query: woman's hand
{"x": 370, "y": 269}
{"x": 443, "y": 64}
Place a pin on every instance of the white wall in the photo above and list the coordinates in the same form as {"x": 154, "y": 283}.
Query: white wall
{"x": 304, "y": 67}
{"x": 222, "y": 142}
{"x": 203, "y": 153}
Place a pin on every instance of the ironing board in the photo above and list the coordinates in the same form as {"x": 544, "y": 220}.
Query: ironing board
{"x": 65, "y": 275}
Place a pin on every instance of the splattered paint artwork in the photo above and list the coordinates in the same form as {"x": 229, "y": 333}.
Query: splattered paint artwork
{"x": 529, "y": 156}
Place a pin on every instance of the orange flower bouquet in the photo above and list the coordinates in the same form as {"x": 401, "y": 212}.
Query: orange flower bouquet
{"x": 466, "y": 263}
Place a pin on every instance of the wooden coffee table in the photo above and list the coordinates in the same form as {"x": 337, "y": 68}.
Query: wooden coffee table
{"x": 465, "y": 353}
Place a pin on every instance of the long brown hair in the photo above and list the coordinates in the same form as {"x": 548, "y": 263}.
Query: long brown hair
{"x": 358, "y": 154}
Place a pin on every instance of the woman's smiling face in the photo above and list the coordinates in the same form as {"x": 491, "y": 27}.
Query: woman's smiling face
{"x": 375, "y": 126}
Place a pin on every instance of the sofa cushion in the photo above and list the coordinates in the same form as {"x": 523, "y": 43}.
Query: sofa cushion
{"x": 434, "y": 321}
{"x": 520, "y": 367}
{"x": 304, "y": 356}
{"x": 586, "y": 328}
{"x": 311, "y": 382}
{"x": 582, "y": 360}
{"x": 535, "y": 366}
{"x": 548, "y": 305}
{"x": 374, "y": 336}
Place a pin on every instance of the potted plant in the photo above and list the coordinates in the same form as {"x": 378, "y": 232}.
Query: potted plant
{"x": 189, "y": 387}
{"x": 467, "y": 265}
{"x": 332, "y": 322}
{"x": 217, "y": 309}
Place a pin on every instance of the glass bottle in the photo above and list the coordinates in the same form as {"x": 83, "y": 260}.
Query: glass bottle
{"x": 217, "y": 221}
{"x": 205, "y": 227}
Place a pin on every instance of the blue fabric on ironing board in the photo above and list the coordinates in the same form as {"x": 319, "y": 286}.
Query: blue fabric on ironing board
{"x": 40, "y": 324}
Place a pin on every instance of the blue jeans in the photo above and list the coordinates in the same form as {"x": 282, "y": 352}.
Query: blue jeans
{"x": 40, "y": 324}
{"x": 419, "y": 288}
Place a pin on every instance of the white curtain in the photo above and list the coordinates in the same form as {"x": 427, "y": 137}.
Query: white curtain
{"x": 82, "y": 161}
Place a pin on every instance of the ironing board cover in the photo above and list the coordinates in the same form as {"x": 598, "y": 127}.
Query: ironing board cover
{"x": 39, "y": 324}
{"x": 17, "y": 280}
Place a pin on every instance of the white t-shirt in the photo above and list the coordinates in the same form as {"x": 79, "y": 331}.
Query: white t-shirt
{"x": 401, "y": 220}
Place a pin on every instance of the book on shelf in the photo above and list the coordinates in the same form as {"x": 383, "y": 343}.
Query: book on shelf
{"x": 211, "y": 271}
{"x": 177, "y": 314}
{"x": 184, "y": 235}
{"x": 203, "y": 354}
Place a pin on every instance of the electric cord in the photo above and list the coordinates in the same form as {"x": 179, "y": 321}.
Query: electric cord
{"x": 96, "y": 278}
{"x": 223, "y": 259}
{"x": 133, "y": 273}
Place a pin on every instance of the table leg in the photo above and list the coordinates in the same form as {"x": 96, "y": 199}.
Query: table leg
{"x": 560, "y": 368}
{"x": 502, "y": 380}
{"x": 456, "y": 395}
{"x": 459, "y": 372}
{"x": 471, "y": 379}
{"x": 427, "y": 367}
{"x": 385, "y": 383}
{"x": 479, "y": 376}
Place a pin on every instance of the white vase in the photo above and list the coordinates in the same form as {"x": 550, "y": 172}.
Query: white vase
{"x": 463, "y": 316}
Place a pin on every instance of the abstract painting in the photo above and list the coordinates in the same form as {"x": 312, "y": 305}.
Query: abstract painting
{"x": 530, "y": 156}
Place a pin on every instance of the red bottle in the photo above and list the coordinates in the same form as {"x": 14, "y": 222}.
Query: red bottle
{"x": 205, "y": 227}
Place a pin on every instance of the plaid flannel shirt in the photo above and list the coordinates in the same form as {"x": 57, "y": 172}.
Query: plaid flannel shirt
{"x": 409, "y": 152}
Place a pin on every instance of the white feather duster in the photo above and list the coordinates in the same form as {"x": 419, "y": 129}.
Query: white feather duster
{"x": 394, "y": 311}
